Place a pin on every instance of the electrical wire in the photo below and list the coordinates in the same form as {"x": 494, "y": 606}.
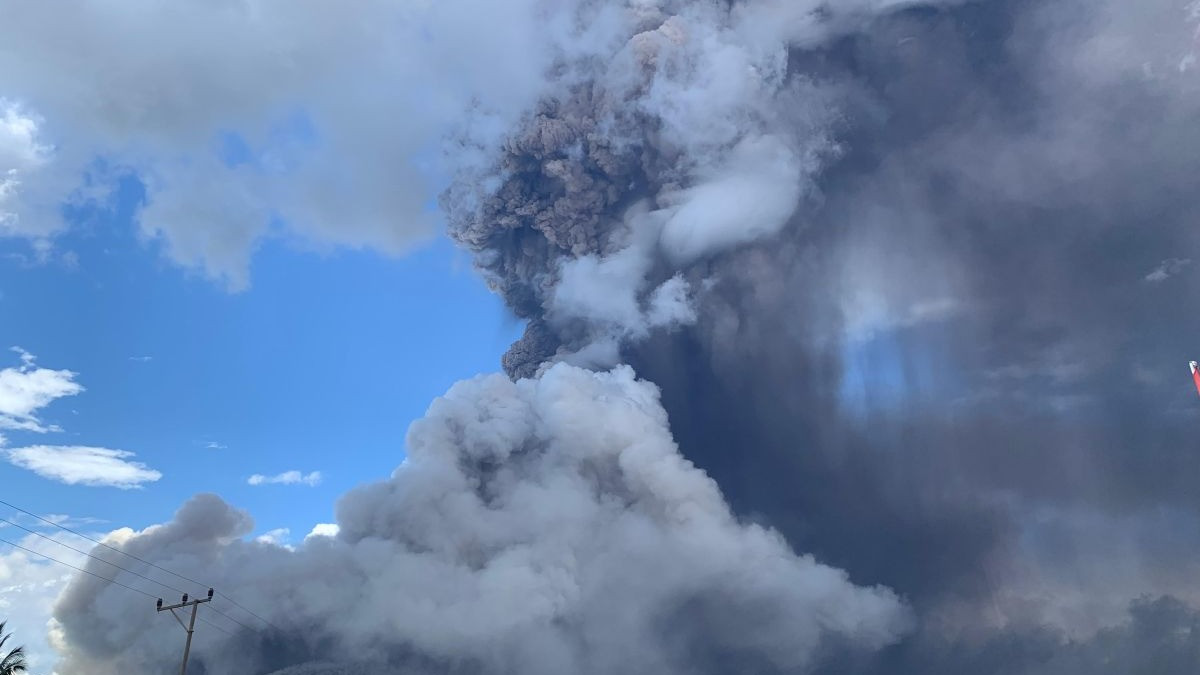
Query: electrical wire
{"x": 80, "y": 569}
{"x": 141, "y": 560}
{"x": 203, "y": 620}
{"x": 232, "y": 619}
{"x": 96, "y": 541}
{"x": 235, "y": 604}
{"x": 131, "y": 588}
{"x": 128, "y": 571}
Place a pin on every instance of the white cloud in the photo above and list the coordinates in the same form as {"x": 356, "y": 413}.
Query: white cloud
{"x": 324, "y": 118}
{"x": 21, "y": 154}
{"x": 323, "y": 530}
{"x": 214, "y": 445}
{"x": 26, "y": 389}
{"x": 286, "y": 478}
{"x": 1167, "y": 269}
{"x": 72, "y": 521}
{"x": 277, "y": 537}
{"x": 141, "y": 359}
{"x": 80, "y": 465}
{"x": 29, "y": 585}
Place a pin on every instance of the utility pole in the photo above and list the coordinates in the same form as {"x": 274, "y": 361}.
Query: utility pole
{"x": 190, "y": 627}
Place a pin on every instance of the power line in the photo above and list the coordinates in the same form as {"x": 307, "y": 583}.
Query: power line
{"x": 195, "y": 604}
{"x": 39, "y": 534}
{"x": 231, "y": 618}
{"x": 96, "y": 541}
{"x": 235, "y": 604}
{"x": 80, "y": 569}
{"x": 203, "y": 620}
{"x": 190, "y": 626}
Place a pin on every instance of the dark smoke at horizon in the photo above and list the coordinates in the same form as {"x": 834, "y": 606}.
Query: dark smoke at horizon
{"x": 907, "y": 288}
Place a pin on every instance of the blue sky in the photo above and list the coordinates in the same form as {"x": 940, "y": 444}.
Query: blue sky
{"x": 320, "y": 365}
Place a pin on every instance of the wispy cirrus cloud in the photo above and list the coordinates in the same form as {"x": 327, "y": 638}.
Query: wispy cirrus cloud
{"x": 82, "y": 465}
{"x": 286, "y": 478}
{"x": 66, "y": 520}
{"x": 26, "y": 389}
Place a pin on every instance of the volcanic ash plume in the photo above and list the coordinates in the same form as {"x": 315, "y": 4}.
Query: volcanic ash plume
{"x": 910, "y": 279}
{"x": 682, "y": 134}
{"x": 900, "y": 271}
{"x": 543, "y": 526}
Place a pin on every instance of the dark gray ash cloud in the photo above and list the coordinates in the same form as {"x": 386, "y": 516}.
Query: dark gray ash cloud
{"x": 950, "y": 349}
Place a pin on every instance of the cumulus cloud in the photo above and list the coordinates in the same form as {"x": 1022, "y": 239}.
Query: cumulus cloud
{"x": 81, "y": 465}
{"x": 278, "y": 536}
{"x": 541, "y": 526}
{"x": 22, "y": 154}
{"x": 27, "y": 388}
{"x": 29, "y": 585}
{"x": 325, "y": 121}
{"x": 324, "y": 530}
{"x": 293, "y": 477}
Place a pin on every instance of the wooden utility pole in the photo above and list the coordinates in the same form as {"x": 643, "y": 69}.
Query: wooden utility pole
{"x": 191, "y": 625}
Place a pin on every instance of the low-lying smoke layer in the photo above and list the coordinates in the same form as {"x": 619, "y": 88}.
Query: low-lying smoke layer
{"x": 543, "y": 526}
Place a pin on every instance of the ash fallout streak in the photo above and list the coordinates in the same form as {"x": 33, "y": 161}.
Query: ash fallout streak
{"x": 894, "y": 281}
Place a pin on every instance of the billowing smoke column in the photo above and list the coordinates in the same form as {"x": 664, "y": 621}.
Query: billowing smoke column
{"x": 543, "y": 526}
{"x": 909, "y": 278}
